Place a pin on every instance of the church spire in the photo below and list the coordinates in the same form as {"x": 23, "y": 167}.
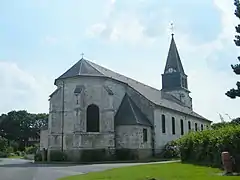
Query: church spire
{"x": 174, "y": 80}
{"x": 173, "y": 63}
{"x": 174, "y": 76}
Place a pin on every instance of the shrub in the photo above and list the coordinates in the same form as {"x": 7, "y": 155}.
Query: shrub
{"x": 93, "y": 155}
{"x": 31, "y": 150}
{"x": 38, "y": 157}
{"x": 3, "y": 154}
{"x": 171, "y": 150}
{"x": 205, "y": 147}
{"x": 3, "y": 144}
{"x": 19, "y": 153}
{"x": 14, "y": 145}
{"x": 58, "y": 156}
{"x": 9, "y": 149}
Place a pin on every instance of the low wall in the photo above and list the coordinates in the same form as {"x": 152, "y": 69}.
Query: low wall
{"x": 29, "y": 156}
{"x": 94, "y": 155}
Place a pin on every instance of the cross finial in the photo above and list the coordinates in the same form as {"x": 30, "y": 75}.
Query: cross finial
{"x": 172, "y": 28}
{"x": 82, "y": 55}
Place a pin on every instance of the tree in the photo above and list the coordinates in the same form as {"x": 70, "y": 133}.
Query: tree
{"x": 3, "y": 144}
{"x": 236, "y": 121}
{"x": 233, "y": 93}
{"x": 19, "y": 126}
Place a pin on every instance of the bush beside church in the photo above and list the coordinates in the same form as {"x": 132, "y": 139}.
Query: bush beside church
{"x": 205, "y": 147}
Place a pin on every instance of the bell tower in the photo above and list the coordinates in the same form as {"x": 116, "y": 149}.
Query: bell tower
{"x": 174, "y": 79}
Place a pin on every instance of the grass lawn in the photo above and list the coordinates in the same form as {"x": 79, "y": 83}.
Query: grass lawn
{"x": 15, "y": 157}
{"x": 171, "y": 171}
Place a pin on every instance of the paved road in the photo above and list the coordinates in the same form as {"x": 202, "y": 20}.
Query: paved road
{"x": 18, "y": 169}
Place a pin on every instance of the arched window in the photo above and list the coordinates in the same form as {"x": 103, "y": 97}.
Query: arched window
{"x": 196, "y": 127}
{"x": 145, "y": 135}
{"x": 183, "y": 82}
{"x": 173, "y": 125}
{"x": 92, "y": 118}
{"x": 186, "y": 85}
{"x": 189, "y": 125}
{"x": 163, "y": 124}
{"x": 182, "y": 127}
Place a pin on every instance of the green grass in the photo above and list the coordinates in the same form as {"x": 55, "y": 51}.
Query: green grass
{"x": 15, "y": 157}
{"x": 171, "y": 171}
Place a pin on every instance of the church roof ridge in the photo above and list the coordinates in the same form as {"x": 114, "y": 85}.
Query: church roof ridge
{"x": 82, "y": 67}
{"x": 128, "y": 78}
{"x": 152, "y": 94}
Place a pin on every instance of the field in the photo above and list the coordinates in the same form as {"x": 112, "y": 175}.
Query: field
{"x": 169, "y": 171}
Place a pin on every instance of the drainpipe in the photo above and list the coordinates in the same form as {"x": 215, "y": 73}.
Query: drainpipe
{"x": 62, "y": 113}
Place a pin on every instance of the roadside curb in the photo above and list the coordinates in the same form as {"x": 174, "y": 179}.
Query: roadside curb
{"x": 107, "y": 162}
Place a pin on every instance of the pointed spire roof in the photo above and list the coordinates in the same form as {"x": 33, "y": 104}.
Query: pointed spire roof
{"x": 130, "y": 114}
{"x": 82, "y": 67}
{"x": 173, "y": 58}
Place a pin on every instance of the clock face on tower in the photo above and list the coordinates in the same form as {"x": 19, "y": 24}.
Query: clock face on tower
{"x": 170, "y": 70}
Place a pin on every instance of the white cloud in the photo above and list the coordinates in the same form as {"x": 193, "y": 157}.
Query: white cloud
{"x": 21, "y": 90}
{"x": 127, "y": 25}
{"x": 96, "y": 29}
{"x": 120, "y": 26}
{"x": 208, "y": 85}
{"x": 51, "y": 40}
{"x": 125, "y": 29}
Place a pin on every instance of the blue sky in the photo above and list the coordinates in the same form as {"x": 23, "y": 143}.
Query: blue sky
{"x": 40, "y": 39}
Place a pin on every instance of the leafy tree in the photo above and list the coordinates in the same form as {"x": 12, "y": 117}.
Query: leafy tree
{"x": 19, "y": 126}
{"x": 219, "y": 125}
{"x": 3, "y": 144}
{"x": 233, "y": 93}
{"x": 236, "y": 121}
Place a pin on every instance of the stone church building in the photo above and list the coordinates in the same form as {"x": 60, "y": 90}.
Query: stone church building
{"x": 96, "y": 108}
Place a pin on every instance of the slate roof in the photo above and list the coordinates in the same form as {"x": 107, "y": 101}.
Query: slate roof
{"x": 54, "y": 92}
{"x": 173, "y": 58}
{"x": 156, "y": 96}
{"x": 81, "y": 68}
{"x": 129, "y": 114}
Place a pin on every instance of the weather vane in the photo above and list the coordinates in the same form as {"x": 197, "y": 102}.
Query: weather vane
{"x": 172, "y": 28}
{"x": 82, "y": 55}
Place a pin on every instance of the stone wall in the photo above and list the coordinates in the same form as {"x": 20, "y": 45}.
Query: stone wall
{"x": 162, "y": 138}
{"x": 131, "y": 137}
{"x": 43, "y": 139}
{"x": 75, "y": 106}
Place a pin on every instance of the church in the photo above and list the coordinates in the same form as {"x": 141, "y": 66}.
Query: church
{"x": 96, "y": 108}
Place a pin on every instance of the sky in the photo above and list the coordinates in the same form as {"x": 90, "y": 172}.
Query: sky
{"x": 41, "y": 39}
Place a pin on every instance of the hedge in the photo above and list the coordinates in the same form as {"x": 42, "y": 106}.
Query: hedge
{"x": 171, "y": 151}
{"x": 3, "y": 154}
{"x": 3, "y": 144}
{"x": 205, "y": 147}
